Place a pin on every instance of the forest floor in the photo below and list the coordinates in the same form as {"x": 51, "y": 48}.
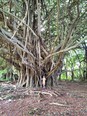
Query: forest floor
{"x": 67, "y": 99}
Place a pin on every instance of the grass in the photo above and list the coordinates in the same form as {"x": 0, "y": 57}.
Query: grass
{"x": 2, "y": 71}
{"x": 7, "y": 79}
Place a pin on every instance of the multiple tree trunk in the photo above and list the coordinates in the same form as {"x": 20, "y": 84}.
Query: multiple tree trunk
{"x": 25, "y": 48}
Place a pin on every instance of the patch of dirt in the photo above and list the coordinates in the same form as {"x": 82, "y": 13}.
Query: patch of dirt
{"x": 67, "y": 99}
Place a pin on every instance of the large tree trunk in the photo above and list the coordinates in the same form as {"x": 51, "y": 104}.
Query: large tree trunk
{"x": 28, "y": 50}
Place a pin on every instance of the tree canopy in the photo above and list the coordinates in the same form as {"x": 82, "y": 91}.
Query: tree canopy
{"x": 36, "y": 34}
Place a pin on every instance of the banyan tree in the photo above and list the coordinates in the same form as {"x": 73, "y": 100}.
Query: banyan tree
{"x": 34, "y": 36}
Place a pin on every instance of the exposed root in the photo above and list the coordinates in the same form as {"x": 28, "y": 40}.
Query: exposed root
{"x": 58, "y": 104}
